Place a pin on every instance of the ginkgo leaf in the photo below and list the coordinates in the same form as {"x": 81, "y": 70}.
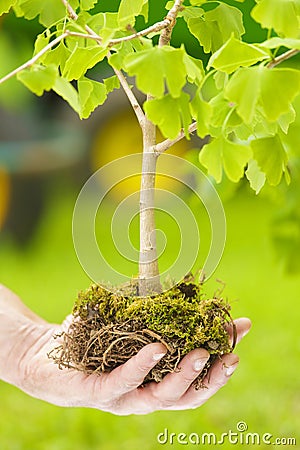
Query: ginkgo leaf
{"x": 58, "y": 56}
{"x": 221, "y": 78}
{"x": 156, "y": 66}
{"x": 41, "y": 41}
{"x": 261, "y": 127}
{"x": 117, "y": 59}
{"x": 276, "y": 42}
{"x": 223, "y": 113}
{"x": 82, "y": 59}
{"x": 285, "y": 120}
{"x": 105, "y": 25}
{"x": 197, "y": 2}
{"x": 255, "y": 176}
{"x": 250, "y": 87}
{"x": 170, "y": 114}
{"x": 194, "y": 69}
{"x": 271, "y": 157}
{"x": 221, "y": 153}
{"x": 38, "y": 78}
{"x": 216, "y": 26}
{"x": 111, "y": 83}
{"x": 67, "y": 91}
{"x": 129, "y": 10}
{"x": 47, "y": 15}
{"x": 244, "y": 90}
{"x": 91, "y": 95}
{"x": 201, "y": 112}
{"x": 86, "y": 5}
{"x": 281, "y": 15}
{"x": 5, "y": 6}
{"x": 234, "y": 54}
{"x": 190, "y": 12}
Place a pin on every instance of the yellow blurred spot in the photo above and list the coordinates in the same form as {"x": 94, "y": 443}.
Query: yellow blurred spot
{"x": 4, "y": 195}
{"x": 121, "y": 136}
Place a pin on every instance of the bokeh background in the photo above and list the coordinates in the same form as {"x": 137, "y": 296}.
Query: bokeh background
{"x": 46, "y": 154}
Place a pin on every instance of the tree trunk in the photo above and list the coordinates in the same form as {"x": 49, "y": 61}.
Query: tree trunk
{"x": 149, "y": 281}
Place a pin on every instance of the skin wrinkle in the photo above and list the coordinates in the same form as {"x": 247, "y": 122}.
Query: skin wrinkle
{"x": 24, "y": 345}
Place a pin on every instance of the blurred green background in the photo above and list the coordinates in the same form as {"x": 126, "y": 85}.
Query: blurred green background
{"x": 46, "y": 154}
{"x": 264, "y": 392}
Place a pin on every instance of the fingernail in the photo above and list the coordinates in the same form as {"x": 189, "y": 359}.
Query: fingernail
{"x": 158, "y": 356}
{"x": 230, "y": 369}
{"x": 199, "y": 364}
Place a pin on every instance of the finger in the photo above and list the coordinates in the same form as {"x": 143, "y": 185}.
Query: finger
{"x": 242, "y": 326}
{"x": 216, "y": 378}
{"x": 175, "y": 384}
{"x": 130, "y": 375}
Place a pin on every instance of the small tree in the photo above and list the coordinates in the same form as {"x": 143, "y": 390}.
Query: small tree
{"x": 247, "y": 112}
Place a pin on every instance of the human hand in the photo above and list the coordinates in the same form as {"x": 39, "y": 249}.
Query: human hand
{"x": 26, "y": 339}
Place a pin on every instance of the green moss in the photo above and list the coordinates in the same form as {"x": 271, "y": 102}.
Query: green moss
{"x": 111, "y": 327}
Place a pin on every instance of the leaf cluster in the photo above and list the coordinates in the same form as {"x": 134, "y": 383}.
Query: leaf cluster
{"x": 240, "y": 97}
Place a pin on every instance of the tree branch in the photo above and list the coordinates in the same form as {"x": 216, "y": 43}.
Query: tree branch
{"x": 166, "y": 144}
{"x": 70, "y": 10}
{"x": 279, "y": 59}
{"x": 152, "y": 29}
{"x": 165, "y": 36}
{"x": 130, "y": 95}
{"x": 34, "y": 59}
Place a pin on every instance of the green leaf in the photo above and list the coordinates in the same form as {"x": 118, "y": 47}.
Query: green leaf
{"x": 285, "y": 120}
{"x": 262, "y": 127}
{"x": 170, "y": 114}
{"x": 91, "y": 95}
{"x": 221, "y": 79}
{"x": 41, "y": 41}
{"x": 281, "y": 42}
{"x": 281, "y": 15}
{"x": 271, "y": 158}
{"x": 244, "y": 90}
{"x": 111, "y": 83}
{"x": 105, "y": 25}
{"x": 57, "y": 56}
{"x": 197, "y": 2}
{"x": 86, "y": 5}
{"x": 129, "y": 10}
{"x": 194, "y": 69}
{"x": 201, "y": 112}
{"x": 65, "y": 89}
{"x": 216, "y": 26}
{"x": 271, "y": 90}
{"x": 234, "y": 54}
{"x": 82, "y": 59}
{"x": 190, "y": 12}
{"x": 155, "y": 66}
{"x": 221, "y": 153}
{"x": 5, "y": 5}
{"x": 223, "y": 113}
{"x": 39, "y": 78}
{"x": 48, "y": 13}
{"x": 291, "y": 140}
{"x": 117, "y": 59}
{"x": 255, "y": 176}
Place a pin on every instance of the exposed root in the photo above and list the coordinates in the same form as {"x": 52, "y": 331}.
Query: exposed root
{"x": 108, "y": 329}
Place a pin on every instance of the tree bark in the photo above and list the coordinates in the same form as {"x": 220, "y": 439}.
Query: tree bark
{"x": 149, "y": 281}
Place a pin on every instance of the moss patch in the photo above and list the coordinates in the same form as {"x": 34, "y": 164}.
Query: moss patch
{"x": 109, "y": 328}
